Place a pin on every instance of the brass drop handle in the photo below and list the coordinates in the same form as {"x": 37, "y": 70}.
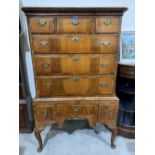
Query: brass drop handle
{"x": 42, "y": 22}
{"x": 48, "y": 85}
{"x": 43, "y": 43}
{"x": 75, "y": 22}
{"x": 44, "y": 113}
{"x": 106, "y": 111}
{"x": 45, "y": 65}
{"x": 77, "y": 109}
{"x": 106, "y": 43}
{"x": 75, "y": 38}
{"x": 107, "y": 21}
{"x": 103, "y": 85}
{"x": 104, "y": 65}
{"x": 75, "y": 58}
{"x": 75, "y": 78}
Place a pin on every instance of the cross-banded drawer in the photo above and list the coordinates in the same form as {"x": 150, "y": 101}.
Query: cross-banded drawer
{"x": 108, "y": 111}
{"x": 75, "y": 85}
{"x": 108, "y": 24}
{"x": 70, "y": 43}
{"x": 41, "y": 25}
{"x": 75, "y": 64}
{"x": 44, "y": 112}
{"x": 76, "y": 109}
{"x": 75, "y": 24}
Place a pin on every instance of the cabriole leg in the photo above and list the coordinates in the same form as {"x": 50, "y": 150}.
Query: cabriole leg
{"x": 113, "y": 136}
{"x": 39, "y": 139}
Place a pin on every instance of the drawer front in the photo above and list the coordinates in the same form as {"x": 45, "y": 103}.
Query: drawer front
{"x": 127, "y": 70}
{"x": 41, "y": 25}
{"x": 108, "y": 112}
{"x": 75, "y": 64}
{"x": 75, "y": 24}
{"x": 76, "y": 109}
{"x": 74, "y": 85}
{"x": 44, "y": 112}
{"x": 110, "y": 24}
{"x": 107, "y": 43}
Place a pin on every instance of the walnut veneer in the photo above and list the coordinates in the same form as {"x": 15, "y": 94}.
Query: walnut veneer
{"x": 74, "y": 52}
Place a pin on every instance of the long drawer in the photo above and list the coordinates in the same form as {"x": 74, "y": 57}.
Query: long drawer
{"x": 74, "y": 85}
{"x": 75, "y": 43}
{"x": 74, "y": 64}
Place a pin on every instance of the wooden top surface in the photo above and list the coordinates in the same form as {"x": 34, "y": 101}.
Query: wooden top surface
{"x": 85, "y": 10}
{"x": 75, "y": 98}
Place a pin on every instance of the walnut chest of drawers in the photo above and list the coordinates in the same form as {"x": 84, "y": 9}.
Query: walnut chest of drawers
{"x": 74, "y": 53}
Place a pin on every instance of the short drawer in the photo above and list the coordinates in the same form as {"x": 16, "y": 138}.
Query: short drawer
{"x": 108, "y": 24}
{"x": 44, "y": 112}
{"x": 41, "y": 25}
{"x": 75, "y": 24}
{"x": 78, "y": 43}
{"x": 75, "y": 85}
{"x": 74, "y": 64}
{"x": 108, "y": 112}
{"x": 86, "y": 109}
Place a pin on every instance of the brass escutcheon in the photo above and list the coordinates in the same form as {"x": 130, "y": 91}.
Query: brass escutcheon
{"x": 45, "y": 65}
{"x": 48, "y": 85}
{"x": 75, "y": 22}
{"x": 44, "y": 113}
{"x": 106, "y": 43}
{"x": 42, "y": 22}
{"x": 75, "y": 78}
{"x": 107, "y": 21}
{"x": 104, "y": 65}
{"x": 103, "y": 85}
{"x": 43, "y": 43}
{"x": 75, "y": 58}
{"x": 75, "y": 38}
{"x": 77, "y": 109}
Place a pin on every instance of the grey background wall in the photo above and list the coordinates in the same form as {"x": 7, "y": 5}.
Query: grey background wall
{"x": 128, "y": 22}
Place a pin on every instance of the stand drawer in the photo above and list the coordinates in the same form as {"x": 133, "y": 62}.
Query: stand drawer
{"x": 76, "y": 109}
{"x": 44, "y": 112}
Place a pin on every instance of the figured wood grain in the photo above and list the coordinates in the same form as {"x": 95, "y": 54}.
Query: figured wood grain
{"x": 36, "y": 27}
{"x": 84, "y": 24}
{"x": 113, "y": 27}
{"x": 74, "y": 85}
{"x": 84, "y": 44}
{"x": 77, "y": 109}
{"x": 105, "y": 107}
{"x": 45, "y": 113}
{"x": 108, "y": 112}
{"x": 74, "y": 64}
